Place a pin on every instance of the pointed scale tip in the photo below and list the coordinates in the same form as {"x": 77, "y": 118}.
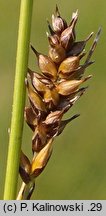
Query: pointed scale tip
{"x": 74, "y": 19}
{"x": 48, "y": 37}
{"x": 90, "y": 63}
{"x": 98, "y": 34}
{"x": 34, "y": 50}
{"x": 89, "y": 37}
{"x": 74, "y": 117}
{"x": 75, "y": 14}
{"x": 57, "y": 11}
{"x": 93, "y": 45}
{"x": 50, "y": 28}
{"x": 82, "y": 91}
{"x": 96, "y": 39}
{"x": 63, "y": 124}
{"x": 86, "y": 78}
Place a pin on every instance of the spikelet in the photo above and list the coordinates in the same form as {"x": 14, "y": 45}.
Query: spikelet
{"x": 54, "y": 91}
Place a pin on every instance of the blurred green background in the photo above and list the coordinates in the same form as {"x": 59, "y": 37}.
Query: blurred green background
{"x": 77, "y": 169}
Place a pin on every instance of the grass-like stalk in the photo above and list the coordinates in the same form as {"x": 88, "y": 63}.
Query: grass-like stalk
{"x": 18, "y": 100}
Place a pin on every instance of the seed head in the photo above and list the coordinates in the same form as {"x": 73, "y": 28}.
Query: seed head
{"x": 54, "y": 91}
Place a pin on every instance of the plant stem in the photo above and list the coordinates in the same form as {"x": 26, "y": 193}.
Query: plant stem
{"x": 18, "y": 100}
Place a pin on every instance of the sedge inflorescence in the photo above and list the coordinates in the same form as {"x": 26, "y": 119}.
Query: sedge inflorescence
{"x": 54, "y": 91}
